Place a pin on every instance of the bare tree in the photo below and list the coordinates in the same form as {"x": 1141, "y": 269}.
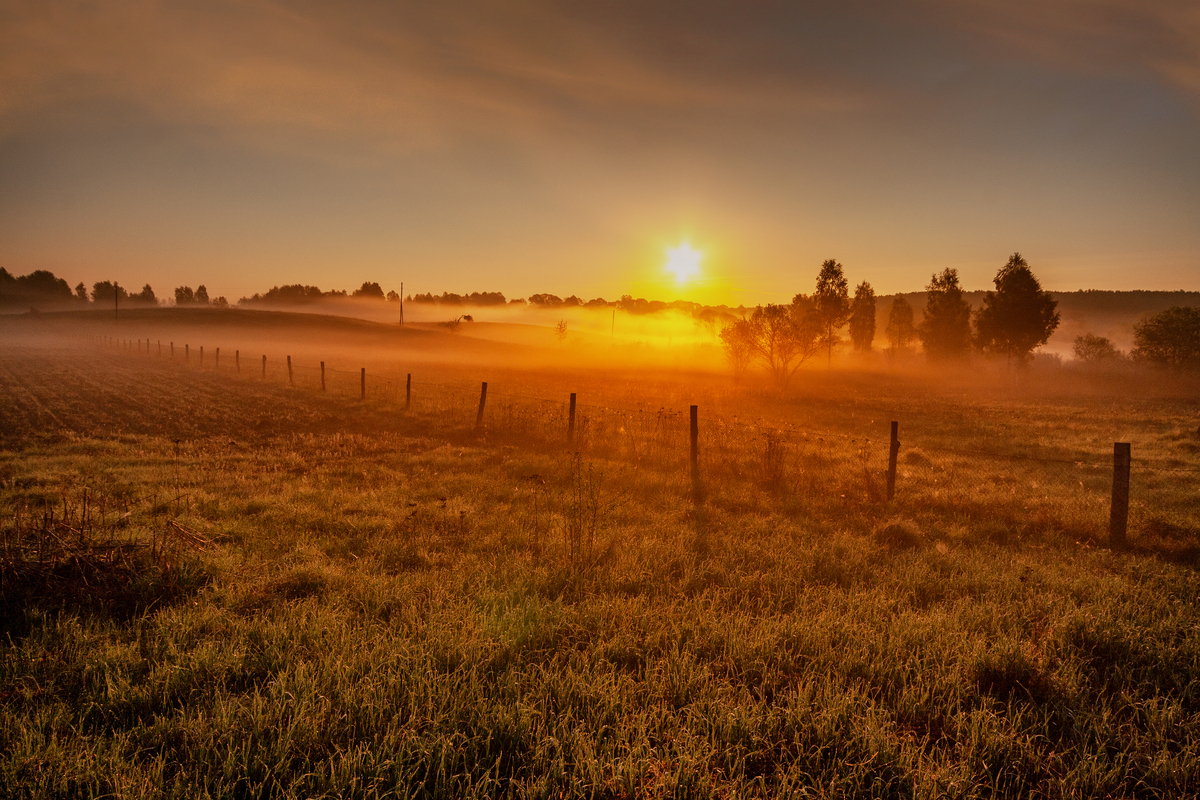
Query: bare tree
{"x": 560, "y": 330}
{"x": 738, "y": 341}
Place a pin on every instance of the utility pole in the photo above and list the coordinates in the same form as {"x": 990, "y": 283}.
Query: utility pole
{"x": 116, "y": 301}
{"x": 401, "y": 304}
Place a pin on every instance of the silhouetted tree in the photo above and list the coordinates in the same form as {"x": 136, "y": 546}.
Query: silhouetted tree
{"x": 548, "y": 300}
{"x": 393, "y": 296}
{"x": 945, "y": 329}
{"x": 862, "y": 317}
{"x": 560, "y": 329}
{"x": 738, "y": 340}
{"x": 832, "y": 302}
{"x": 900, "y": 329}
{"x": 145, "y": 296}
{"x": 184, "y": 296}
{"x": 1018, "y": 317}
{"x": 1090, "y": 347}
{"x": 783, "y": 337}
{"x": 106, "y": 291}
{"x": 81, "y": 293}
{"x": 1170, "y": 337}
{"x": 369, "y": 289}
{"x": 38, "y": 288}
{"x": 220, "y": 302}
{"x": 201, "y": 295}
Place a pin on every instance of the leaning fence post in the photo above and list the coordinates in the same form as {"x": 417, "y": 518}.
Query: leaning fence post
{"x": 201, "y": 356}
{"x": 571, "y": 422}
{"x": 893, "y": 451}
{"x": 322, "y": 376}
{"x": 187, "y": 354}
{"x": 482, "y": 403}
{"x": 362, "y": 383}
{"x": 290, "y": 381}
{"x": 237, "y": 361}
{"x": 160, "y": 347}
{"x": 264, "y": 368}
{"x": 408, "y": 393}
{"x": 172, "y": 350}
{"x": 1119, "y": 519}
{"x": 217, "y": 359}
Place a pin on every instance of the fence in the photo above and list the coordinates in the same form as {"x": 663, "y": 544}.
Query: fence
{"x": 1087, "y": 495}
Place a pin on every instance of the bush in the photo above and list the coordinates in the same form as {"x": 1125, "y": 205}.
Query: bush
{"x": 1171, "y": 337}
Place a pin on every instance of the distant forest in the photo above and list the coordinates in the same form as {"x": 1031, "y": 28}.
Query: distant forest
{"x": 42, "y": 290}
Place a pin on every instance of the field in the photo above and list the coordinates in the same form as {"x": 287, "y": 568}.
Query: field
{"x": 222, "y": 582}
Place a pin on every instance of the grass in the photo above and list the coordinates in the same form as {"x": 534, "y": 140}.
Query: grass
{"x": 386, "y": 605}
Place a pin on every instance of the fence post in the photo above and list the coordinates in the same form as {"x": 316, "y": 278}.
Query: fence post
{"x": 290, "y": 381}
{"x": 1119, "y": 519}
{"x": 482, "y": 403}
{"x": 695, "y": 435}
{"x": 571, "y": 422}
{"x": 264, "y": 368}
{"x": 160, "y": 347}
{"x": 172, "y": 351}
{"x": 187, "y": 354}
{"x": 201, "y": 356}
{"x": 408, "y": 393}
{"x": 362, "y": 383}
{"x": 237, "y": 361}
{"x": 217, "y": 360}
{"x": 893, "y": 451}
{"x": 322, "y": 376}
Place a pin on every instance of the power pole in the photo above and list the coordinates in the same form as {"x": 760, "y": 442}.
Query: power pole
{"x": 116, "y": 302}
{"x": 401, "y": 304}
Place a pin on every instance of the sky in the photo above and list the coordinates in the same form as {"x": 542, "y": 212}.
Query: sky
{"x": 565, "y": 147}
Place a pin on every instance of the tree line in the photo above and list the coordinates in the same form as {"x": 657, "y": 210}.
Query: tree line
{"x": 1013, "y": 320}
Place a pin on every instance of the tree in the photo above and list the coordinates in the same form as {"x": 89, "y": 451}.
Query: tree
{"x": 900, "y": 329}
{"x": 201, "y": 295}
{"x": 146, "y": 296}
{"x": 782, "y": 337}
{"x": 832, "y": 302}
{"x": 1018, "y": 317}
{"x": 106, "y": 291}
{"x": 184, "y": 296}
{"x": 1092, "y": 348}
{"x": 81, "y": 293}
{"x": 369, "y": 289}
{"x": 560, "y": 329}
{"x": 862, "y": 317}
{"x": 738, "y": 340}
{"x": 393, "y": 296}
{"x": 1170, "y": 337}
{"x": 945, "y": 329}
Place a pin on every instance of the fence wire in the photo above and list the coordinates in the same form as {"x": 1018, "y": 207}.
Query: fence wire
{"x": 1069, "y": 492}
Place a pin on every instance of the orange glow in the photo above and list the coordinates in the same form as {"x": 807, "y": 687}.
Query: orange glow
{"x": 684, "y": 262}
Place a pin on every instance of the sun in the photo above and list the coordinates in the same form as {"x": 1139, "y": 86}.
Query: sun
{"x": 684, "y": 262}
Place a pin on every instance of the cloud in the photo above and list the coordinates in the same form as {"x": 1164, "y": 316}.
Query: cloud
{"x": 410, "y": 74}
{"x": 1158, "y": 38}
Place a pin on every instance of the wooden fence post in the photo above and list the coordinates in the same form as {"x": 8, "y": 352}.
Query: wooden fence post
{"x": 695, "y": 453}
{"x": 160, "y": 347}
{"x": 237, "y": 361}
{"x": 362, "y": 383}
{"x": 217, "y": 360}
{"x": 264, "y": 368}
{"x": 571, "y": 422}
{"x": 1119, "y": 519}
{"x": 408, "y": 393}
{"x": 482, "y": 403}
{"x": 201, "y": 356}
{"x": 290, "y": 381}
{"x": 893, "y": 451}
{"x": 172, "y": 351}
{"x": 322, "y": 376}
{"x": 187, "y": 354}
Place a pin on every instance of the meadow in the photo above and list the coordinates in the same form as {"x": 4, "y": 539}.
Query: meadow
{"x": 224, "y": 583}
